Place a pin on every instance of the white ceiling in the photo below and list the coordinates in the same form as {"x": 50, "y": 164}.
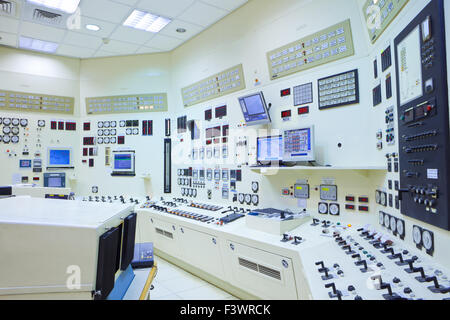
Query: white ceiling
{"x": 192, "y": 15}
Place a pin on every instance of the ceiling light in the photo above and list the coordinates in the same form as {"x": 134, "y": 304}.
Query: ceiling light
{"x": 181, "y": 30}
{"x": 37, "y": 45}
{"x": 92, "y": 27}
{"x": 146, "y": 21}
{"x": 69, "y": 6}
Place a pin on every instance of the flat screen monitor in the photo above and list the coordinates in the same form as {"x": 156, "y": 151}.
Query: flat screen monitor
{"x": 59, "y": 157}
{"x": 54, "y": 180}
{"x": 298, "y": 145}
{"x": 123, "y": 162}
{"x": 254, "y": 109}
{"x": 270, "y": 149}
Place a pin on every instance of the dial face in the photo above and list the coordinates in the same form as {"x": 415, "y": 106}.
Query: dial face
{"x": 23, "y": 122}
{"x": 427, "y": 238}
{"x": 179, "y": 172}
{"x": 100, "y": 124}
{"x": 383, "y": 200}
{"x": 1, "y": 120}
{"x": 100, "y": 132}
{"x": 381, "y": 218}
{"x": 400, "y": 227}
{"x": 387, "y": 221}
{"x": 255, "y": 186}
{"x": 113, "y": 124}
{"x": 129, "y": 131}
{"x": 106, "y": 140}
{"x": 100, "y": 140}
{"x": 15, "y": 122}
{"x": 122, "y": 123}
{"x": 6, "y": 121}
{"x": 194, "y": 192}
{"x": 6, "y": 130}
{"x": 417, "y": 235}
{"x": 248, "y": 198}
{"x": 6, "y": 139}
{"x": 15, "y": 139}
{"x": 106, "y": 132}
{"x": 334, "y": 209}
{"x": 377, "y": 197}
{"x": 15, "y": 131}
{"x": 190, "y": 193}
{"x": 323, "y": 208}
{"x": 106, "y": 124}
{"x": 41, "y": 123}
{"x": 135, "y": 131}
{"x": 113, "y": 140}
{"x": 113, "y": 132}
{"x": 241, "y": 198}
{"x": 255, "y": 199}
{"x": 1, "y": 138}
{"x": 393, "y": 224}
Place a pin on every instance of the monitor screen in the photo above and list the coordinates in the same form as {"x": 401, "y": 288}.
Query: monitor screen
{"x": 54, "y": 180}
{"x": 123, "y": 161}
{"x": 254, "y": 109}
{"x": 298, "y": 145}
{"x": 270, "y": 149}
{"x": 221, "y": 112}
{"x": 59, "y": 157}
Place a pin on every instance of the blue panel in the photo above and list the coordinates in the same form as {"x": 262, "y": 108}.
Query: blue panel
{"x": 122, "y": 284}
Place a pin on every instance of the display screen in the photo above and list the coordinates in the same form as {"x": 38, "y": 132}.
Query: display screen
{"x": 55, "y": 182}
{"x": 123, "y": 161}
{"x": 270, "y": 148}
{"x": 25, "y": 163}
{"x": 254, "y": 109}
{"x": 221, "y": 112}
{"x": 410, "y": 67}
{"x": 59, "y": 157}
{"x": 298, "y": 145}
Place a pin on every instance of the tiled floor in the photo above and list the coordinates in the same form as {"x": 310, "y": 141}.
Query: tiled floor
{"x": 173, "y": 283}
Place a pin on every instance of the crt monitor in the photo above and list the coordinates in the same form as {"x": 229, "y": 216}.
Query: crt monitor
{"x": 59, "y": 157}
{"x": 270, "y": 149}
{"x": 298, "y": 145}
{"x": 124, "y": 161}
{"x": 254, "y": 109}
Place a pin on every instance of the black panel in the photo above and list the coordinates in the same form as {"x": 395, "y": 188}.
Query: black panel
{"x": 386, "y": 59}
{"x": 129, "y": 236}
{"x": 167, "y": 165}
{"x": 109, "y": 246}
{"x": 424, "y": 127}
{"x": 376, "y": 95}
{"x": 5, "y": 191}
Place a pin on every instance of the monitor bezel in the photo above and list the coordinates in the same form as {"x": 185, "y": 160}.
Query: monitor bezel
{"x": 311, "y": 154}
{"x": 266, "y": 109}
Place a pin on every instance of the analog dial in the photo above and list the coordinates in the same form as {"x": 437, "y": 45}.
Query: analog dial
{"x": 323, "y": 208}
{"x": 241, "y": 198}
{"x": 255, "y": 199}
{"x": 113, "y": 140}
{"x": 113, "y": 124}
{"x": 15, "y": 139}
{"x": 400, "y": 227}
{"x": 106, "y": 140}
{"x": 23, "y": 122}
{"x": 122, "y": 123}
{"x": 6, "y": 139}
{"x": 393, "y": 224}
{"x": 381, "y": 218}
{"x": 100, "y": 132}
{"x": 6, "y": 130}
{"x": 427, "y": 239}
{"x": 15, "y": 122}
{"x": 334, "y": 209}
{"x": 417, "y": 235}
{"x": 15, "y": 131}
{"x": 248, "y": 199}
{"x": 106, "y": 132}
{"x": 100, "y": 140}
{"x": 100, "y": 124}
{"x": 135, "y": 131}
{"x": 129, "y": 131}
{"x": 387, "y": 220}
{"x": 41, "y": 123}
{"x": 6, "y": 121}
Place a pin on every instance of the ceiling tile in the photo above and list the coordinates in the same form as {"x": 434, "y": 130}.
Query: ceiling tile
{"x": 143, "y": 50}
{"x": 9, "y": 25}
{"x": 171, "y": 30}
{"x": 203, "y": 14}
{"x": 120, "y": 47}
{"x": 229, "y": 5}
{"x": 73, "y": 51}
{"x": 82, "y": 40}
{"x": 41, "y": 32}
{"x": 105, "y": 10}
{"x": 8, "y": 39}
{"x": 102, "y": 53}
{"x": 168, "y": 8}
{"x": 106, "y": 28}
{"x": 131, "y": 35}
{"x": 164, "y": 43}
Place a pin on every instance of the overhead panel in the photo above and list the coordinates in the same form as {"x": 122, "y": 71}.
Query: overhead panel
{"x": 135, "y": 103}
{"x": 328, "y": 45}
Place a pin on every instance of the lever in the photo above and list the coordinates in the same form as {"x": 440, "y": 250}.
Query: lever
{"x": 335, "y": 293}
{"x": 364, "y": 263}
{"x": 315, "y": 222}
{"x": 321, "y": 264}
{"x": 356, "y": 256}
{"x": 422, "y": 274}
{"x": 386, "y": 286}
{"x": 433, "y": 279}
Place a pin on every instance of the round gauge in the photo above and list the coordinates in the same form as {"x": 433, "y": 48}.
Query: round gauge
{"x": 427, "y": 239}
{"x": 248, "y": 198}
{"x": 15, "y": 122}
{"x": 182, "y": 191}
{"x": 106, "y": 140}
{"x": 381, "y": 218}
{"x": 255, "y": 186}
{"x": 334, "y": 209}
{"x": 41, "y": 123}
{"x": 113, "y": 140}
{"x": 1, "y": 120}
{"x": 194, "y": 193}
{"x": 106, "y": 132}
{"x": 383, "y": 200}
{"x": 241, "y": 198}
{"x": 122, "y": 123}
{"x": 6, "y": 130}
{"x": 100, "y": 140}
{"x": 129, "y": 131}
{"x": 100, "y": 132}
{"x": 23, "y": 122}
{"x": 113, "y": 132}
{"x": 190, "y": 192}
{"x": 15, "y": 131}
{"x": 255, "y": 199}
{"x": 6, "y": 139}
{"x": 393, "y": 224}
{"x": 100, "y": 124}
{"x": 113, "y": 124}
{"x": 106, "y": 124}
{"x": 1, "y": 138}
{"x": 6, "y": 121}
{"x": 323, "y": 208}
{"x": 417, "y": 235}
{"x": 179, "y": 172}
{"x": 15, "y": 139}
{"x": 378, "y": 197}
{"x": 400, "y": 227}
{"x": 135, "y": 131}
{"x": 387, "y": 220}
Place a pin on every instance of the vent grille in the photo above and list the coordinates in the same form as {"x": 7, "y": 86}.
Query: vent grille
{"x": 164, "y": 233}
{"x": 272, "y": 273}
{"x": 7, "y": 7}
{"x": 47, "y": 17}
{"x": 160, "y": 231}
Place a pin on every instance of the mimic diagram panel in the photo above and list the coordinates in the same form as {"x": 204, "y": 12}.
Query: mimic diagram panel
{"x": 136, "y": 103}
{"x": 423, "y": 117}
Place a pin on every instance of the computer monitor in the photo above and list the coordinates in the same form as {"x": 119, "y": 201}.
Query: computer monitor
{"x": 123, "y": 162}
{"x": 59, "y": 158}
{"x": 270, "y": 149}
{"x": 298, "y": 145}
{"x": 255, "y": 109}
{"x": 54, "y": 180}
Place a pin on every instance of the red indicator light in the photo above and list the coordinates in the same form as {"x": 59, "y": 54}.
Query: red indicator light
{"x": 303, "y": 110}
{"x": 286, "y": 92}
{"x": 286, "y": 114}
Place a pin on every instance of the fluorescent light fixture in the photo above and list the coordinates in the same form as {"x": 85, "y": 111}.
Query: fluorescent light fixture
{"x": 69, "y": 6}
{"x": 92, "y": 27}
{"x": 146, "y": 21}
{"x": 37, "y": 45}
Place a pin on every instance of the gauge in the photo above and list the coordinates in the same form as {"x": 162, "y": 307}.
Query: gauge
{"x": 241, "y": 198}
{"x": 15, "y": 131}
{"x": 106, "y": 132}
{"x": 417, "y": 235}
{"x": 1, "y": 120}
{"x": 135, "y": 131}
{"x": 15, "y": 139}
{"x": 41, "y": 123}
{"x": 323, "y": 208}
{"x": 122, "y": 123}
{"x": 248, "y": 198}
{"x": 400, "y": 227}
{"x": 191, "y": 192}
{"x": 106, "y": 124}
{"x": 106, "y": 140}
{"x": 100, "y": 132}
{"x": 129, "y": 131}
{"x": 393, "y": 224}
{"x": 1, "y": 138}
{"x": 428, "y": 239}
{"x": 334, "y": 209}
{"x": 113, "y": 124}
{"x": 387, "y": 220}
{"x": 179, "y": 172}
{"x": 23, "y": 122}
{"x": 100, "y": 140}
{"x": 6, "y": 130}
{"x": 6, "y": 139}
{"x": 383, "y": 200}
{"x": 194, "y": 193}
{"x": 113, "y": 132}
{"x": 15, "y": 122}
{"x": 378, "y": 197}
{"x": 6, "y": 121}
{"x": 113, "y": 140}
{"x": 100, "y": 124}
{"x": 381, "y": 218}
{"x": 255, "y": 199}
{"x": 255, "y": 186}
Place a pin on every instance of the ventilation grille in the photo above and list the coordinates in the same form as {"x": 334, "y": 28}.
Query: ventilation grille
{"x": 8, "y": 7}
{"x": 47, "y": 17}
{"x": 275, "y": 274}
{"x": 164, "y": 233}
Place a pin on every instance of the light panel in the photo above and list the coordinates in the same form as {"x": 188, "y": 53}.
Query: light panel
{"x": 37, "y": 45}
{"x": 69, "y": 6}
{"x": 146, "y": 21}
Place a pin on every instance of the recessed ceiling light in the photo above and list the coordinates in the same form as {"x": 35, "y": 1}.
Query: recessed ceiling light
{"x": 69, "y": 6}
{"x": 146, "y": 21}
{"x": 37, "y": 45}
{"x": 92, "y": 27}
{"x": 181, "y": 30}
